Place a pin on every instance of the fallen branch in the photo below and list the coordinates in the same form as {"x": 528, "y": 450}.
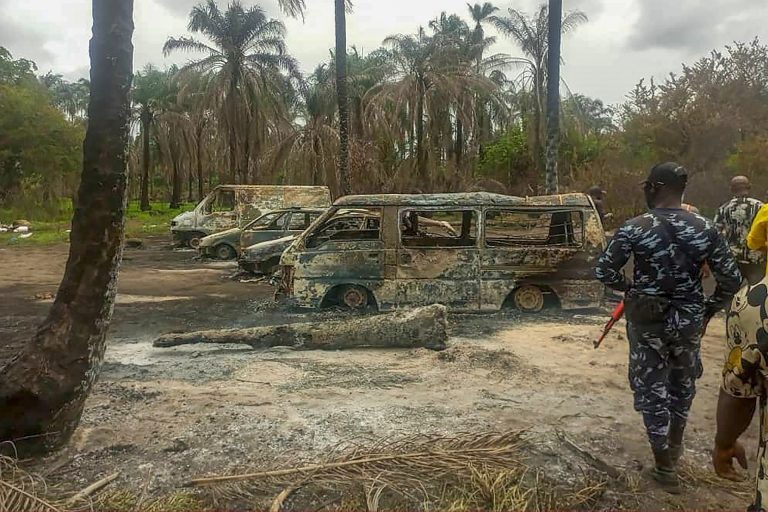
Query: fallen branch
{"x": 421, "y": 327}
{"x": 91, "y": 489}
{"x": 594, "y": 461}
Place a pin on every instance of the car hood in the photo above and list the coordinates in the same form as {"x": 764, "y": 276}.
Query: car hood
{"x": 184, "y": 220}
{"x": 270, "y": 247}
{"x": 209, "y": 240}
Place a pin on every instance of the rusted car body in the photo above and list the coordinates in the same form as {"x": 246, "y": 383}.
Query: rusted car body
{"x": 228, "y": 244}
{"x": 471, "y": 252}
{"x": 229, "y": 206}
{"x": 264, "y": 257}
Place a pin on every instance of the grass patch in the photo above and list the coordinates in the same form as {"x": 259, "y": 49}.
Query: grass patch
{"x": 50, "y": 228}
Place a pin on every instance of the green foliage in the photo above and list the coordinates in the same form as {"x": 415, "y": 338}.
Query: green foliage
{"x": 40, "y": 151}
{"x": 508, "y": 158}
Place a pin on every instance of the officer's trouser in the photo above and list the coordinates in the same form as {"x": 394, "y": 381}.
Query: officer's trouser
{"x": 663, "y": 368}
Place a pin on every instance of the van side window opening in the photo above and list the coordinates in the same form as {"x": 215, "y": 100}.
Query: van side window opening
{"x": 223, "y": 201}
{"x": 429, "y": 228}
{"x": 564, "y": 228}
{"x": 348, "y": 226}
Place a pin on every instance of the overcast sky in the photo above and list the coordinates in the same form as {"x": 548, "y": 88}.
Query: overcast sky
{"x": 624, "y": 40}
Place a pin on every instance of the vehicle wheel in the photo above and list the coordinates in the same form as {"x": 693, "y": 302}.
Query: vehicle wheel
{"x": 529, "y": 299}
{"x": 353, "y": 297}
{"x": 194, "y": 241}
{"x": 225, "y": 252}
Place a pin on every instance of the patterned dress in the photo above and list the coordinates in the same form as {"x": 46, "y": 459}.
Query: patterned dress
{"x": 669, "y": 246}
{"x": 746, "y": 365}
{"x": 733, "y": 221}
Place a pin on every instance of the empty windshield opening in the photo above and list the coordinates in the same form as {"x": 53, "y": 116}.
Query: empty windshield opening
{"x": 428, "y": 228}
{"x": 346, "y": 225}
{"x": 563, "y": 228}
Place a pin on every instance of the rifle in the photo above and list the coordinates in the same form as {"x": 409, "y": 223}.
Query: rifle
{"x": 615, "y": 317}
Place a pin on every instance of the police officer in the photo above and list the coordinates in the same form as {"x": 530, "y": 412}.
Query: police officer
{"x": 666, "y": 307}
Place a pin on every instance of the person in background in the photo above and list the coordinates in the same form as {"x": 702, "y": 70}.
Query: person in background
{"x": 666, "y": 308}
{"x": 733, "y": 221}
{"x": 598, "y": 197}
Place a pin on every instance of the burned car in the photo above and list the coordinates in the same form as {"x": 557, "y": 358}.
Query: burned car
{"x": 226, "y": 245}
{"x": 264, "y": 257}
{"x": 500, "y": 251}
{"x": 230, "y": 206}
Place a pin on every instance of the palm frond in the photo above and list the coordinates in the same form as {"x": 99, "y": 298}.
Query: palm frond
{"x": 398, "y": 463}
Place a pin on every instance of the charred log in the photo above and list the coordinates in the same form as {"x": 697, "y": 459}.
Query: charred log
{"x": 424, "y": 327}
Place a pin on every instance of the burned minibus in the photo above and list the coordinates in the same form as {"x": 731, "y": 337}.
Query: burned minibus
{"x": 469, "y": 251}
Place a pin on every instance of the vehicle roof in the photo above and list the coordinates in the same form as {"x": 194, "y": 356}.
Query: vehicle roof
{"x": 233, "y": 187}
{"x": 463, "y": 199}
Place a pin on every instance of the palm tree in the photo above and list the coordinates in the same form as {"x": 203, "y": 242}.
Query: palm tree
{"x": 246, "y": 51}
{"x": 345, "y": 187}
{"x": 312, "y": 144}
{"x": 43, "y": 390}
{"x": 531, "y": 35}
{"x": 150, "y": 86}
{"x": 553, "y": 92}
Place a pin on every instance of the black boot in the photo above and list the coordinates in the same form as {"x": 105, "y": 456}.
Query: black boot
{"x": 676, "y": 431}
{"x": 664, "y": 472}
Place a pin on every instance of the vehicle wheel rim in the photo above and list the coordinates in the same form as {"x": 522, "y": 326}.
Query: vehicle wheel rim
{"x": 194, "y": 242}
{"x": 530, "y": 299}
{"x": 224, "y": 253}
{"x": 354, "y": 298}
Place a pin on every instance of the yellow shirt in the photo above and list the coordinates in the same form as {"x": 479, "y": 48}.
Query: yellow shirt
{"x": 757, "y": 240}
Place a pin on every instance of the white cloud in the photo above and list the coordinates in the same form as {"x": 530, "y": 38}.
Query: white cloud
{"x": 625, "y": 40}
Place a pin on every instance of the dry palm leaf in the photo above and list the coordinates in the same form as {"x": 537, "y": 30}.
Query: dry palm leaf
{"x": 393, "y": 464}
{"x": 21, "y": 491}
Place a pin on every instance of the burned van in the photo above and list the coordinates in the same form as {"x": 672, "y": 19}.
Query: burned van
{"x": 233, "y": 206}
{"x": 471, "y": 252}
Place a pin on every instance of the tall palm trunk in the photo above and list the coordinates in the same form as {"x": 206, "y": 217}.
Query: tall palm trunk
{"x": 43, "y": 390}
{"x": 421, "y": 156}
{"x": 199, "y": 160}
{"x": 345, "y": 184}
{"x": 175, "y": 177}
{"x": 232, "y": 109}
{"x": 146, "y": 125}
{"x": 553, "y": 93}
{"x": 458, "y": 149}
{"x": 537, "y": 119}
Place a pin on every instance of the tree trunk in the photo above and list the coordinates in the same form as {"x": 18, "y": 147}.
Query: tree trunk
{"x": 420, "y": 327}
{"x": 459, "y": 146}
{"x": 345, "y": 183}
{"x": 553, "y": 93}
{"x": 537, "y": 121}
{"x": 421, "y": 160}
{"x": 199, "y": 159}
{"x": 190, "y": 180}
{"x": 44, "y": 388}
{"x": 146, "y": 125}
{"x": 175, "y": 177}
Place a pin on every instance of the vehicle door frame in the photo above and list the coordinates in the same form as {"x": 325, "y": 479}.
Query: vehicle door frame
{"x": 461, "y": 294}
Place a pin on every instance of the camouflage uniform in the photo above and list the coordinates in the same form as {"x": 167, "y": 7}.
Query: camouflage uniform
{"x": 733, "y": 221}
{"x": 664, "y": 359}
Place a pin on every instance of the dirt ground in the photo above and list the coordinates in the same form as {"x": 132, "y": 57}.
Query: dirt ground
{"x": 163, "y": 416}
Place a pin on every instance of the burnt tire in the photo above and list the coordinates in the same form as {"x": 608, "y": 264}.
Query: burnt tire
{"x": 529, "y": 299}
{"x": 352, "y": 296}
{"x": 194, "y": 241}
{"x": 225, "y": 252}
